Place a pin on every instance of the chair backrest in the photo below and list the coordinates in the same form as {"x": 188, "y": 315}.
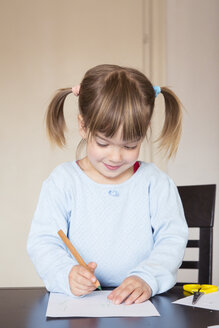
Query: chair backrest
{"x": 199, "y": 204}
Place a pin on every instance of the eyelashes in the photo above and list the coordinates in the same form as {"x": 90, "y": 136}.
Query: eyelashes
{"x": 101, "y": 145}
{"x": 126, "y": 147}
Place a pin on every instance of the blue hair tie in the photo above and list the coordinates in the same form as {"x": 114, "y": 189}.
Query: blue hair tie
{"x": 157, "y": 90}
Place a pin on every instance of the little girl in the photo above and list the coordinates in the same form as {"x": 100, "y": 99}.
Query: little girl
{"x": 124, "y": 217}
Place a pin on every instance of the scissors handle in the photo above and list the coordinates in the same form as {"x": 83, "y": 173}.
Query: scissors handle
{"x": 194, "y": 288}
{"x": 206, "y": 289}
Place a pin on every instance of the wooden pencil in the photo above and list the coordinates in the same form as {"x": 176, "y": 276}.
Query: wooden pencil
{"x": 77, "y": 257}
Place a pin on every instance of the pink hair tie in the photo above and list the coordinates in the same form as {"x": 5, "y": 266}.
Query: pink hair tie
{"x": 76, "y": 90}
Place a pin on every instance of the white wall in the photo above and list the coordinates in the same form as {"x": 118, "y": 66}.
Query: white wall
{"x": 192, "y": 53}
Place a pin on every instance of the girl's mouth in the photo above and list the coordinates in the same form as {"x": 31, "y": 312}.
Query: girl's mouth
{"x": 112, "y": 167}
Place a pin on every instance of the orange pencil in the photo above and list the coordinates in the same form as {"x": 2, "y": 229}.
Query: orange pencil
{"x": 77, "y": 257}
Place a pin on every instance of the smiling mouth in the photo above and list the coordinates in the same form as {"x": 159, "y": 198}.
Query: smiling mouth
{"x": 112, "y": 167}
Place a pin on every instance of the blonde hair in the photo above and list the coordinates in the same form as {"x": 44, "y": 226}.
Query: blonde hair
{"x": 112, "y": 96}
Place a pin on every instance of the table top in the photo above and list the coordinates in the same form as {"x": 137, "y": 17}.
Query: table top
{"x": 26, "y": 308}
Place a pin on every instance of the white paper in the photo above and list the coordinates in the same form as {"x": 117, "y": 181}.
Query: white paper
{"x": 95, "y": 304}
{"x": 208, "y": 301}
{"x": 213, "y": 326}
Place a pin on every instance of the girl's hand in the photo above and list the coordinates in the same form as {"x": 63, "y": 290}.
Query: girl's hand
{"x": 81, "y": 281}
{"x": 132, "y": 290}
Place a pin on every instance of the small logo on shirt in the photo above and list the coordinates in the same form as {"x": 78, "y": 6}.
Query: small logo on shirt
{"x": 113, "y": 193}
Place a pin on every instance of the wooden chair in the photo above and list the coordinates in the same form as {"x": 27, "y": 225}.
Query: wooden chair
{"x": 199, "y": 204}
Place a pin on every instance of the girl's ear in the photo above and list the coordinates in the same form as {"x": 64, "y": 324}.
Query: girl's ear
{"x": 82, "y": 129}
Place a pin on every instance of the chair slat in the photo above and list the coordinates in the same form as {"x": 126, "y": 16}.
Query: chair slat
{"x": 185, "y": 283}
{"x": 189, "y": 265}
{"x": 193, "y": 243}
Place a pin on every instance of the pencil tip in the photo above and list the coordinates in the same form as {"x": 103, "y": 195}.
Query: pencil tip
{"x": 99, "y": 287}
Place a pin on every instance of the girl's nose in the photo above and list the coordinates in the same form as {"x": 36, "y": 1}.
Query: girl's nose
{"x": 115, "y": 155}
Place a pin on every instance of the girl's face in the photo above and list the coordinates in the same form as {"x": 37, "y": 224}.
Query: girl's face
{"x": 110, "y": 160}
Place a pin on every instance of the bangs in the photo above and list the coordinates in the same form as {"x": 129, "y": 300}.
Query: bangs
{"x": 120, "y": 104}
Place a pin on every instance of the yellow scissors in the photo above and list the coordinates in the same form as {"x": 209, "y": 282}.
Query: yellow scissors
{"x": 199, "y": 290}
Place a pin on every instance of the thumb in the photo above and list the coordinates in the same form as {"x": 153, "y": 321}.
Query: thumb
{"x": 92, "y": 266}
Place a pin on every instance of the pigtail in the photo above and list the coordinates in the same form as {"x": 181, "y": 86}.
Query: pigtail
{"x": 171, "y": 132}
{"x": 55, "y": 121}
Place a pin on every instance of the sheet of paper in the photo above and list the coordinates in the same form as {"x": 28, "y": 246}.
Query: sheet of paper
{"x": 95, "y": 304}
{"x": 207, "y": 301}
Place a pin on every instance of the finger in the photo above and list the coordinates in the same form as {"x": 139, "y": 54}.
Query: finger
{"x": 76, "y": 277}
{"x": 122, "y": 294}
{"x": 117, "y": 291}
{"x": 134, "y": 296}
{"x": 92, "y": 266}
{"x": 78, "y": 291}
{"x": 112, "y": 294}
{"x": 87, "y": 274}
{"x": 83, "y": 281}
{"x": 144, "y": 297}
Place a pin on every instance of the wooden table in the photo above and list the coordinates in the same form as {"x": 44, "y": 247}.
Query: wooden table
{"x": 26, "y": 308}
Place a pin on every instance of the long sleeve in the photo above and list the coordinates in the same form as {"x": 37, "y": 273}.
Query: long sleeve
{"x": 170, "y": 233}
{"x": 136, "y": 227}
{"x": 45, "y": 248}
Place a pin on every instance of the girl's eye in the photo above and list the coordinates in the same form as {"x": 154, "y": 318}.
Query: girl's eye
{"x": 130, "y": 147}
{"x": 101, "y": 145}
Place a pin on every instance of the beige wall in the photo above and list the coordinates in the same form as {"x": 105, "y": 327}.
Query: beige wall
{"x": 192, "y": 53}
{"x": 47, "y": 44}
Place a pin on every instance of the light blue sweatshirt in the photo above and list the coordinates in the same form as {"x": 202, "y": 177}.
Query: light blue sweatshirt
{"x": 133, "y": 228}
